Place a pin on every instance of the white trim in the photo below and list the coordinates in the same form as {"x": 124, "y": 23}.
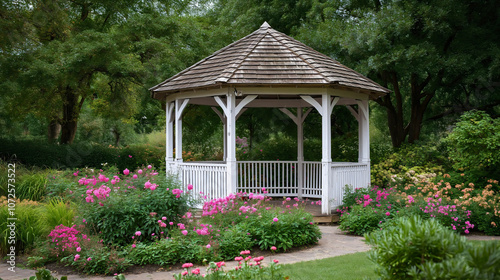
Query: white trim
{"x": 313, "y": 102}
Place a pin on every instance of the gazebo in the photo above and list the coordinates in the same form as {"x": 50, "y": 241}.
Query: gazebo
{"x": 271, "y": 70}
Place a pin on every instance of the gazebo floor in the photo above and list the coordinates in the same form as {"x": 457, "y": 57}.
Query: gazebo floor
{"x": 312, "y": 208}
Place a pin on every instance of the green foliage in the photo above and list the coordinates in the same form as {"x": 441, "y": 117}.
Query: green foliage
{"x": 45, "y": 274}
{"x": 79, "y": 155}
{"x": 360, "y": 220}
{"x": 478, "y": 261}
{"x": 127, "y": 211}
{"x": 425, "y": 158}
{"x": 412, "y": 242}
{"x": 474, "y": 144}
{"x": 32, "y": 187}
{"x": 233, "y": 241}
{"x": 169, "y": 251}
{"x": 100, "y": 260}
{"x": 30, "y": 225}
{"x": 59, "y": 213}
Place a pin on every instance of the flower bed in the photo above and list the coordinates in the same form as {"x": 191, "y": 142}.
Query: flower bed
{"x": 462, "y": 207}
{"x": 135, "y": 217}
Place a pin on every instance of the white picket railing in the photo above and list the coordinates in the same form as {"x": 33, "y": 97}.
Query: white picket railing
{"x": 344, "y": 174}
{"x": 207, "y": 178}
{"x": 311, "y": 185}
{"x": 278, "y": 177}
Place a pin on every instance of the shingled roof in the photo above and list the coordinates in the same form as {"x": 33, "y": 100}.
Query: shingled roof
{"x": 267, "y": 58}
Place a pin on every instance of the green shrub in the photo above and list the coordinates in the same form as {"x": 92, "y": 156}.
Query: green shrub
{"x": 474, "y": 144}
{"x": 411, "y": 242}
{"x": 478, "y": 261}
{"x": 233, "y": 241}
{"x": 360, "y": 220}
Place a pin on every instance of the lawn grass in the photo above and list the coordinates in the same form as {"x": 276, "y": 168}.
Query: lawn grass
{"x": 348, "y": 267}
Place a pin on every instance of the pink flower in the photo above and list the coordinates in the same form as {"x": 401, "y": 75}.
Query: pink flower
{"x": 138, "y": 233}
{"x": 133, "y": 246}
{"x": 273, "y": 248}
{"x": 164, "y": 218}
{"x": 76, "y": 257}
{"x": 388, "y": 213}
{"x": 153, "y": 187}
{"x": 187, "y": 265}
{"x": 247, "y": 252}
{"x": 89, "y": 259}
{"x": 275, "y": 261}
{"x": 126, "y": 171}
{"x": 184, "y": 273}
{"x": 147, "y": 185}
{"x": 238, "y": 259}
{"x": 129, "y": 156}
{"x": 149, "y": 166}
{"x": 171, "y": 223}
{"x": 208, "y": 246}
{"x": 219, "y": 264}
{"x": 78, "y": 249}
{"x": 185, "y": 232}
{"x": 135, "y": 176}
{"x": 196, "y": 271}
{"x": 190, "y": 187}
{"x": 275, "y": 219}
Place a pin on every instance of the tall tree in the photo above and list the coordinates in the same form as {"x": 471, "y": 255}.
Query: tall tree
{"x": 76, "y": 46}
{"x": 418, "y": 49}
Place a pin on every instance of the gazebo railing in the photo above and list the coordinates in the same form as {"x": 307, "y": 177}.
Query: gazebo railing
{"x": 311, "y": 185}
{"x": 279, "y": 178}
{"x": 346, "y": 173}
{"x": 207, "y": 178}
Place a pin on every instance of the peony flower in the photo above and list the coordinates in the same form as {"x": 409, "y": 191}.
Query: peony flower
{"x": 76, "y": 257}
{"x": 388, "y": 213}
{"x": 275, "y": 219}
{"x": 187, "y": 265}
{"x": 126, "y": 171}
{"x": 149, "y": 166}
{"x": 185, "y": 232}
{"x": 78, "y": 249}
{"x": 275, "y": 261}
{"x": 190, "y": 187}
{"x": 208, "y": 246}
{"x": 273, "y": 248}
{"x": 89, "y": 259}
{"x": 139, "y": 171}
{"x": 138, "y": 233}
{"x": 135, "y": 176}
{"x": 196, "y": 271}
{"x": 133, "y": 246}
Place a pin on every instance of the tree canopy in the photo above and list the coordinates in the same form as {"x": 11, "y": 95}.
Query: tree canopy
{"x": 439, "y": 58}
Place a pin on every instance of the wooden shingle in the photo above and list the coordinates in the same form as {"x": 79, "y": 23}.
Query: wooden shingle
{"x": 267, "y": 57}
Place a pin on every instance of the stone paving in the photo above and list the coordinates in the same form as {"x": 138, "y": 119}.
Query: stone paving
{"x": 333, "y": 243}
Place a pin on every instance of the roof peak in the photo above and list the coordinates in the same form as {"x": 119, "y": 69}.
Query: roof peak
{"x": 265, "y": 25}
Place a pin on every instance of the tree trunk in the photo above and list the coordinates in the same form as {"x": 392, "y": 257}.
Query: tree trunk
{"x": 54, "y": 130}
{"x": 71, "y": 112}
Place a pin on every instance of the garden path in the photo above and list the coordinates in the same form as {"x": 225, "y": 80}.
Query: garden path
{"x": 333, "y": 243}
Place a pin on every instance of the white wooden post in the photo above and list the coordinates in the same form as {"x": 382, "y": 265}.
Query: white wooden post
{"x": 326, "y": 158}
{"x": 223, "y": 119}
{"x": 169, "y": 131}
{"x": 299, "y": 120}
{"x": 231, "y": 110}
{"x": 363, "y": 131}
{"x": 180, "y": 105}
{"x": 325, "y": 109}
